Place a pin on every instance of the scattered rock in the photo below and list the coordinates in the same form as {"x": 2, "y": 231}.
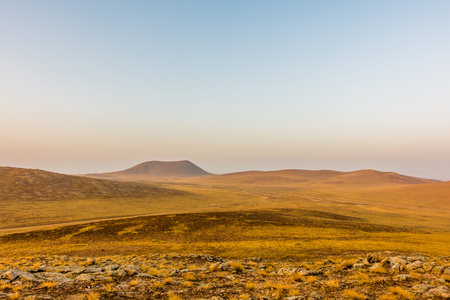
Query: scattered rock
{"x": 52, "y": 276}
{"x": 421, "y": 288}
{"x": 77, "y": 277}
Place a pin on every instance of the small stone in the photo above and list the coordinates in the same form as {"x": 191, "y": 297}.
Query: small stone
{"x": 397, "y": 260}
{"x": 437, "y": 292}
{"x": 119, "y": 273}
{"x": 84, "y": 277}
{"x": 437, "y": 270}
{"x": 402, "y": 277}
{"x": 385, "y": 263}
{"x": 428, "y": 266}
{"x": 414, "y": 265}
{"x": 90, "y": 261}
{"x": 365, "y": 262}
{"x": 112, "y": 267}
{"x": 93, "y": 269}
{"x": 396, "y": 268}
{"x": 144, "y": 275}
{"x": 377, "y": 268}
{"x": 130, "y": 269}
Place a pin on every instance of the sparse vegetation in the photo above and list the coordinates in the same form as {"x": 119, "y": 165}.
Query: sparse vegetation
{"x": 352, "y": 294}
{"x": 273, "y": 251}
{"x": 48, "y": 284}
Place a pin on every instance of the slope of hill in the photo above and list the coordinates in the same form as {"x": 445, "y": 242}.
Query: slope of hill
{"x": 33, "y": 184}
{"x": 155, "y": 170}
{"x": 322, "y": 177}
{"x": 271, "y": 177}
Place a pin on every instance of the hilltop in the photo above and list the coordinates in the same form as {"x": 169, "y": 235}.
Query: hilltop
{"x": 156, "y": 170}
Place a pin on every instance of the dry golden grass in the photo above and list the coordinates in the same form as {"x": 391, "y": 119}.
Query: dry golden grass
{"x": 250, "y": 285}
{"x": 297, "y": 277}
{"x": 14, "y": 296}
{"x": 190, "y": 276}
{"x": 401, "y": 293}
{"x": 361, "y": 277}
{"x": 173, "y": 296}
{"x": 311, "y": 279}
{"x": 109, "y": 288}
{"x": 388, "y": 297}
{"x": 352, "y": 294}
{"x": 134, "y": 282}
{"x": 238, "y": 267}
{"x": 158, "y": 285}
{"x": 91, "y": 296}
{"x": 48, "y": 284}
{"x": 333, "y": 284}
{"x": 187, "y": 284}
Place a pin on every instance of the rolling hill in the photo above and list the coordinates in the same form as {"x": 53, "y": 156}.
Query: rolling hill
{"x": 32, "y": 184}
{"x": 307, "y": 177}
{"x": 156, "y": 170}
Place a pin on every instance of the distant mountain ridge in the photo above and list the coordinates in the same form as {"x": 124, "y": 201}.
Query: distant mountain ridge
{"x": 157, "y": 169}
{"x": 184, "y": 169}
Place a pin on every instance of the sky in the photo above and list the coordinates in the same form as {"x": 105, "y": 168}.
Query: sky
{"x": 96, "y": 86}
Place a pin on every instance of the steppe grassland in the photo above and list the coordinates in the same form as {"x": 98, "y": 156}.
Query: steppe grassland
{"x": 421, "y": 205}
{"x": 229, "y": 234}
{"x": 33, "y": 213}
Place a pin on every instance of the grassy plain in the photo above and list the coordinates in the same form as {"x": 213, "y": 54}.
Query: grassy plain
{"x": 277, "y": 216}
{"x": 29, "y": 212}
{"x": 278, "y": 234}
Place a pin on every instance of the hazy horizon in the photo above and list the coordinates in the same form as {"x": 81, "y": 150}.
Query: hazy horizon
{"x": 99, "y": 86}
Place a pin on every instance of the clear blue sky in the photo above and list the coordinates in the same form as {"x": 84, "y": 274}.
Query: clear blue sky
{"x": 94, "y": 86}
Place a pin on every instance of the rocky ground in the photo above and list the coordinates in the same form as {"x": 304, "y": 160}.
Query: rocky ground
{"x": 175, "y": 276}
